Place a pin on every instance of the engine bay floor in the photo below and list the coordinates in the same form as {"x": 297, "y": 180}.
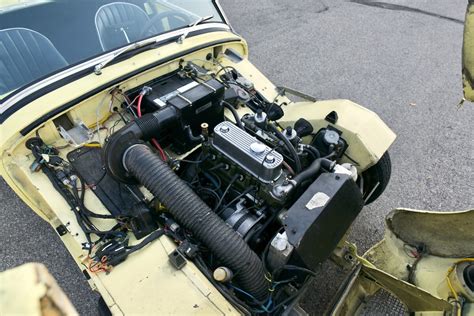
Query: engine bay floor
{"x": 117, "y": 197}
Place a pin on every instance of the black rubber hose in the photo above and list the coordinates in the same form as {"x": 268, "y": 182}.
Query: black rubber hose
{"x": 313, "y": 170}
{"x": 288, "y": 146}
{"x": 313, "y": 150}
{"x": 191, "y": 212}
{"x": 310, "y": 153}
{"x": 234, "y": 113}
{"x": 191, "y": 137}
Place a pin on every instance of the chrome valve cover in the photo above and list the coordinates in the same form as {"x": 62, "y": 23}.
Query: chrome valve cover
{"x": 248, "y": 152}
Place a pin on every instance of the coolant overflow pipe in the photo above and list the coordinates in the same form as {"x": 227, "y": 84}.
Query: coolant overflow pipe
{"x": 191, "y": 212}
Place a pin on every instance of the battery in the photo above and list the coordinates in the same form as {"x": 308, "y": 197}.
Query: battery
{"x": 196, "y": 101}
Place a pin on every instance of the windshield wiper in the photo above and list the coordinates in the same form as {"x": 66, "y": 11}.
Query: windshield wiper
{"x": 98, "y": 68}
{"x": 197, "y": 22}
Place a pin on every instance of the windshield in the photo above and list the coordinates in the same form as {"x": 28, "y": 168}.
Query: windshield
{"x": 39, "y": 37}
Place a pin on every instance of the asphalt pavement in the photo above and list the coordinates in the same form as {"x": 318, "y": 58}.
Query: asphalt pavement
{"x": 400, "y": 58}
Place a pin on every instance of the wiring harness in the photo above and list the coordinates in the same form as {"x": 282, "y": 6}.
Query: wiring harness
{"x": 105, "y": 248}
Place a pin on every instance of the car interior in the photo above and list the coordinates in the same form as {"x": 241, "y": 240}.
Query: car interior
{"x": 26, "y": 54}
{"x": 31, "y": 45}
{"x": 117, "y": 22}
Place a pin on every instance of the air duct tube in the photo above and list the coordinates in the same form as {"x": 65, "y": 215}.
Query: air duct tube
{"x": 191, "y": 212}
{"x": 139, "y": 162}
{"x": 141, "y": 129}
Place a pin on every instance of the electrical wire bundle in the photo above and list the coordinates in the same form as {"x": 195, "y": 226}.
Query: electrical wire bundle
{"x": 281, "y": 294}
{"x": 132, "y": 107}
{"x": 110, "y": 247}
{"x": 72, "y": 189}
{"x": 109, "y": 253}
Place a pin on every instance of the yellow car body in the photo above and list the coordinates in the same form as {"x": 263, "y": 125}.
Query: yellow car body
{"x": 147, "y": 284}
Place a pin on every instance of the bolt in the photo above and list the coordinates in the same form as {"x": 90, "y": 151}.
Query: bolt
{"x": 205, "y": 129}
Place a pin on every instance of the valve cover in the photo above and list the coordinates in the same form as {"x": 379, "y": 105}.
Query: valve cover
{"x": 248, "y": 152}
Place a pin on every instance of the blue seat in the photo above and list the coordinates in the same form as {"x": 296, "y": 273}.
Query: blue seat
{"x": 119, "y": 23}
{"x": 26, "y": 55}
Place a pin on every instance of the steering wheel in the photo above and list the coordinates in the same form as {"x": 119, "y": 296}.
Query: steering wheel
{"x": 150, "y": 27}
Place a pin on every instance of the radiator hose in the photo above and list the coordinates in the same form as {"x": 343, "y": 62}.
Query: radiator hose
{"x": 282, "y": 190}
{"x": 191, "y": 212}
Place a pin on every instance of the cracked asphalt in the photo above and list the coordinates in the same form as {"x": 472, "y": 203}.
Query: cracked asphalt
{"x": 402, "y": 63}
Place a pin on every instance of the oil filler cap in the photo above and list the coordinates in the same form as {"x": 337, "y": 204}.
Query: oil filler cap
{"x": 258, "y": 148}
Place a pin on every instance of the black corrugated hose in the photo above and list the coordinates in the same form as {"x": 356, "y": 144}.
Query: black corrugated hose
{"x": 190, "y": 211}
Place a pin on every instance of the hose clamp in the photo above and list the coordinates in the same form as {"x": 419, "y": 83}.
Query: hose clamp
{"x": 125, "y": 155}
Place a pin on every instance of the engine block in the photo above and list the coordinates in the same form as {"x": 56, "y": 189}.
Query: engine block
{"x": 248, "y": 152}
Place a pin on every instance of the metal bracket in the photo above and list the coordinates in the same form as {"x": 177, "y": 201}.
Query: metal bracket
{"x": 284, "y": 90}
{"x": 62, "y": 230}
{"x": 177, "y": 260}
{"x": 345, "y": 255}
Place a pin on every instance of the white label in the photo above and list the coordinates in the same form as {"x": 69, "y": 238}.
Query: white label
{"x": 159, "y": 102}
{"x": 187, "y": 87}
{"x": 318, "y": 200}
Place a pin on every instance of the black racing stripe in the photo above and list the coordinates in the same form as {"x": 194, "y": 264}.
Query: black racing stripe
{"x": 68, "y": 105}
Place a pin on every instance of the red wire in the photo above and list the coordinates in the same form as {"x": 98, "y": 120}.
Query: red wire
{"x": 139, "y": 105}
{"x": 153, "y": 140}
{"x": 162, "y": 152}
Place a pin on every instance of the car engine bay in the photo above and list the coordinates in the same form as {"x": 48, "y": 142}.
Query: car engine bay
{"x": 255, "y": 205}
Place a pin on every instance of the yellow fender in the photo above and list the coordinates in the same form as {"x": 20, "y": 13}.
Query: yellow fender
{"x": 367, "y": 135}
